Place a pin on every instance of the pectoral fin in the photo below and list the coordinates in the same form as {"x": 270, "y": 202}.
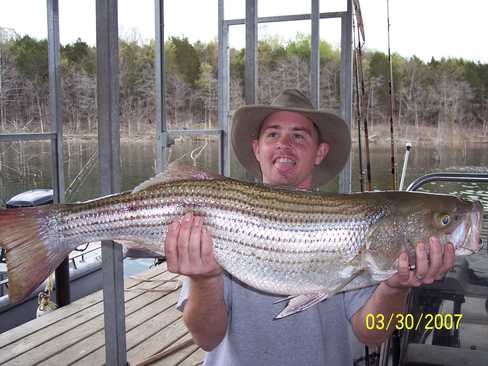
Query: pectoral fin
{"x": 301, "y": 303}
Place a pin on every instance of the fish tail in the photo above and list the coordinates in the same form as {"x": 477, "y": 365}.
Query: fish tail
{"x": 33, "y": 250}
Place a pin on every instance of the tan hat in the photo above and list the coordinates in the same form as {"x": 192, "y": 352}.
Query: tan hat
{"x": 247, "y": 120}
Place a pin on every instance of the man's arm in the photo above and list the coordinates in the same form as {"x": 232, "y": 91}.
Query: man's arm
{"x": 189, "y": 251}
{"x": 390, "y": 296}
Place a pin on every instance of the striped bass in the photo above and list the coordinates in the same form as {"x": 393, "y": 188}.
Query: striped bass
{"x": 275, "y": 240}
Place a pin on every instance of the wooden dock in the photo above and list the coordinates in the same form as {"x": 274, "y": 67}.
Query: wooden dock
{"x": 74, "y": 334}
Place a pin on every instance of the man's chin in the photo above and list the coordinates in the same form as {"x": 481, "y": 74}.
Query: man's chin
{"x": 283, "y": 180}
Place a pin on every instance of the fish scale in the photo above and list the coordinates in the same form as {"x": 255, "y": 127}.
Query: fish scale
{"x": 296, "y": 224}
{"x": 276, "y": 240}
{"x": 281, "y": 229}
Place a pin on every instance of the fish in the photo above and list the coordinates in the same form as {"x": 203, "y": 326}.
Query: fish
{"x": 304, "y": 245}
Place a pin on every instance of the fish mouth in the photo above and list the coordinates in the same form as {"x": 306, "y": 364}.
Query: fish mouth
{"x": 471, "y": 229}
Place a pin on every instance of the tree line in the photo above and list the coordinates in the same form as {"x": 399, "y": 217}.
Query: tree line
{"x": 445, "y": 94}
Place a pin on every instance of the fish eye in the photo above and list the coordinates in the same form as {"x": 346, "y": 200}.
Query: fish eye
{"x": 445, "y": 219}
{"x": 442, "y": 219}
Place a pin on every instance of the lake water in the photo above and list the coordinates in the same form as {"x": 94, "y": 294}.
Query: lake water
{"x": 27, "y": 165}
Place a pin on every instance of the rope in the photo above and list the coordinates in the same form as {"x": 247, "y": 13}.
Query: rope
{"x": 44, "y": 302}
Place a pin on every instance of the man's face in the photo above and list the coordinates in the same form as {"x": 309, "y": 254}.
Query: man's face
{"x": 287, "y": 149}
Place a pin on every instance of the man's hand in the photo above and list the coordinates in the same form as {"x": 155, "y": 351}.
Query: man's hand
{"x": 189, "y": 249}
{"x": 391, "y": 295}
{"x": 428, "y": 267}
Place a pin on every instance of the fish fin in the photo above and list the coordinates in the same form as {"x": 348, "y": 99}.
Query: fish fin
{"x": 301, "y": 302}
{"x": 376, "y": 272}
{"x": 288, "y": 298}
{"x": 175, "y": 172}
{"x": 32, "y": 250}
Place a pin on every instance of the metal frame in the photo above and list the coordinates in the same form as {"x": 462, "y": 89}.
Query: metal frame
{"x": 109, "y": 156}
{"x": 315, "y": 55}
{"x": 287, "y": 18}
{"x": 346, "y": 89}
{"x": 164, "y": 137}
{"x": 55, "y": 137}
{"x": 108, "y": 114}
{"x": 162, "y": 142}
{"x": 447, "y": 177}
{"x": 251, "y": 22}
{"x": 54, "y": 62}
{"x": 250, "y": 68}
{"x": 223, "y": 91}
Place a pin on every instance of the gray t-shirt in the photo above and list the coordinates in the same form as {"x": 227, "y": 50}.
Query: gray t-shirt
{"x": 316, "y": 336}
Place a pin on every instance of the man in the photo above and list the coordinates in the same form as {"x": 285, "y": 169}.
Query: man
{"x": 285, "y": 144}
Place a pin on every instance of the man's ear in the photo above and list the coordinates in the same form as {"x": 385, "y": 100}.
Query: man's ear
{"x": 255, "y": 148}
{"x": 322, "y": 151}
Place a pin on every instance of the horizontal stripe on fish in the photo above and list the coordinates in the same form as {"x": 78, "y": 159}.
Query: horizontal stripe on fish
{"x": 275, "y": 240}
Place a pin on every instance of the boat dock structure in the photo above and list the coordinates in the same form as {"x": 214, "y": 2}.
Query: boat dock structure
{"x": 134, "y": 321}
{"x": 108, "y": 112}
{"x": 74, "y": 334}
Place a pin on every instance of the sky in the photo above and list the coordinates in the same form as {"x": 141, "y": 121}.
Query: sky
{"x": 425, "y": 28}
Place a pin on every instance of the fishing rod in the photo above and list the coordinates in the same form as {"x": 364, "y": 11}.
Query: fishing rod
{"x": 364, "y": 99}
{"x": 391, "y": 101}
{"x": 366, "y": 137}
{"x": 358, "y": 115}
{"x": 361, "y": 102}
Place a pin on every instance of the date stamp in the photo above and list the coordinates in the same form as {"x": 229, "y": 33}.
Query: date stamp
{"x": 410, "y": 321}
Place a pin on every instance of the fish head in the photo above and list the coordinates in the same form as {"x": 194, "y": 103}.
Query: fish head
{"x": 466, "y": 238}
{"x": 449, "y": 218}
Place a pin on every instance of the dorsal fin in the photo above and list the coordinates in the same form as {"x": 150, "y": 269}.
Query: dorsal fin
{"x": 175, "y": 172}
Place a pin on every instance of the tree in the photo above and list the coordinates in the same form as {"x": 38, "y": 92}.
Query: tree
{"x": 187, "y": 60}
{"x": 79, "y": 53}
{"x": 30, "y": 57}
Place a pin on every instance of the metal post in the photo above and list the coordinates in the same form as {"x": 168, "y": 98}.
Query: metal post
{"x": 62, "y": 272}
{"x": 315, "y": 55}
{"x": 223, "y": 91}
{"x": 109, "y": 155}
{"x": 251, "y": 70}
{"x": 160, "y": 95}
{"x": 346, "y": 88}
{"x": 408, "y": 147}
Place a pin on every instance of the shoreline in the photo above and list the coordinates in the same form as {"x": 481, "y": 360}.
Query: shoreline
{"x": 429, "y": 136}
{"x": 378, "y": 135}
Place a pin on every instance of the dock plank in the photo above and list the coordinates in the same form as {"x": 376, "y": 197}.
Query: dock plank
{"x": 94, "y": 345}
{"x": 180, "y": 356}
{"x": 159, "y": 342}
{"x": 75, "y": 334}
{"x": 153, "y": 344}
{"x": 195, "y": 359}
{"x": 81, "y": 324}
{"x": 68, "y": 311}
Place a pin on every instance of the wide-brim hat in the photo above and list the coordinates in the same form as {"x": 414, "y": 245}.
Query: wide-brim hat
{"x": 247, "y": 121}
